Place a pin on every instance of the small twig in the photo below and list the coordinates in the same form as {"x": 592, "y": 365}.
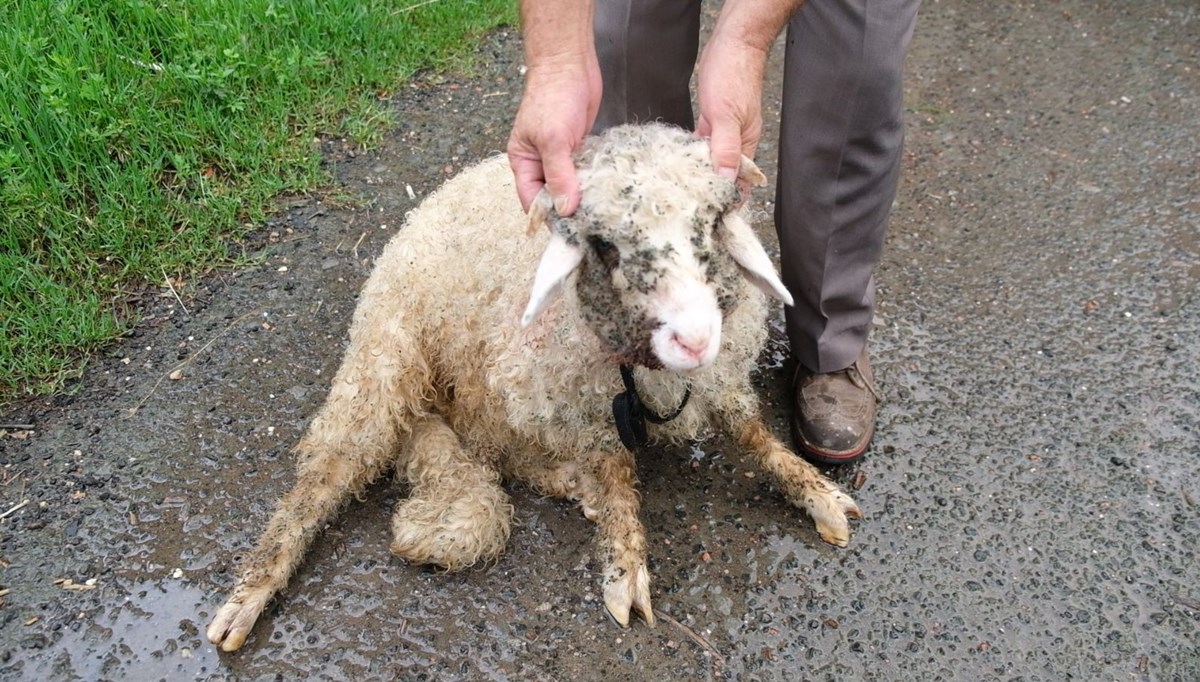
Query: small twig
{"x": 360, "y": 240}
{"x": 133, "y": 410}
{"x": 175, "y": 293}
{"x": 68, "y": 584}
{"x": 13, "y": 509}
{"x": 696, "y": 637}
{"x": 17, "y": 427}
{"x": 405, "y": 10}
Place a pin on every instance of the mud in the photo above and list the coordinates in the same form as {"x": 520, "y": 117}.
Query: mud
{"x": 1030, "y": 498}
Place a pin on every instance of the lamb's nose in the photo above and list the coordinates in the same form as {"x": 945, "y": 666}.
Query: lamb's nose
{"x": 694, "y": 345}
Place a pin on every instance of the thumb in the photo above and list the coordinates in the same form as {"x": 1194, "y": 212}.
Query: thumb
{"x": 725, "y": 145}
{"x": 562, "y": 183}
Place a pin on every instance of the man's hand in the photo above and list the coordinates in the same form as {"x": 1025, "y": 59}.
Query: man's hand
{"x": 729, "y": 86}
{"x": 730, "y": 75}
{"x": 562, "y": 96}
{"x": 557, "y": 111}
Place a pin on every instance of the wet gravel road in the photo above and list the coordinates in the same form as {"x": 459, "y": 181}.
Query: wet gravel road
{"x": 1031, "y": 498}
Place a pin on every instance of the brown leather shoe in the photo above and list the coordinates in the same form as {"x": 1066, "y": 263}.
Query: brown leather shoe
{"x": 835, "y": 412}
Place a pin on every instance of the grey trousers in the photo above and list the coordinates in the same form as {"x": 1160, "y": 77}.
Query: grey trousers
{"x": 839, "y": 150}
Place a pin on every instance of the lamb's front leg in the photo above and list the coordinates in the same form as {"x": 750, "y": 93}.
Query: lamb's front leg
{"x": 801, "y": 483}
{"x": 622, "y": 538}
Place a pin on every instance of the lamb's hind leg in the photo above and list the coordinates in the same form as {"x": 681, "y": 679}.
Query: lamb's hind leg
{"x": 351, "y": 442}
{"x": 801, "y": 483}
{"x": 456, "y": 514}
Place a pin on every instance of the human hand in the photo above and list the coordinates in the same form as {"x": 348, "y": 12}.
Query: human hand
{"x": 557, "y": 110}
{"x": 729, "y": 86}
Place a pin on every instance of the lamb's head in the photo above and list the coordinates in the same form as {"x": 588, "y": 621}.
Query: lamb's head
{"x": 658, "y": 246}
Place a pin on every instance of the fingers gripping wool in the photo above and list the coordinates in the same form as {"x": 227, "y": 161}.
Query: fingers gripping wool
{"x": 455, "y": 377}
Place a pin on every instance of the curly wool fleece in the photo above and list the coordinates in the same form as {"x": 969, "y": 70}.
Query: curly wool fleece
{"x": 441, "y": 382}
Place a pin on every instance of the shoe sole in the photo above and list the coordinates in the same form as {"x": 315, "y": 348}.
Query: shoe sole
{"x": 834, "y": 457}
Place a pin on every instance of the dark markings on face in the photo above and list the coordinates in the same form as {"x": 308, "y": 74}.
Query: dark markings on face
{"x": 625, "y": 331}
{"x": 720, "y": 271}
{"x": 643, "y": 268}
{"x": 606, "y": 251}
{"x": 727, "y": 282}
{"x": 565, "y": 228}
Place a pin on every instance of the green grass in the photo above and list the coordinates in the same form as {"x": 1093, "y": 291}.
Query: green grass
{"x": 140, "y": 139}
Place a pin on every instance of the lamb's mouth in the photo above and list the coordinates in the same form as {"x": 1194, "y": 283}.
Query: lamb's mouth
{"x": 640, "y": 357}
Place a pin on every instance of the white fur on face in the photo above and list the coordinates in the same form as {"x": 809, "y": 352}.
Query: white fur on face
{"x": 689, "y": 333}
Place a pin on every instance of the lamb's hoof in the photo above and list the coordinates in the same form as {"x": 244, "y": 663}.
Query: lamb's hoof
{"x": 628, "y": 590}
{"x": 831, "y": 510}
{"x": 233, "y": 623}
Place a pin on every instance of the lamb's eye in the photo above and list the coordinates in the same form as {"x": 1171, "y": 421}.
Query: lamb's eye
{"x": 609, "y": 255}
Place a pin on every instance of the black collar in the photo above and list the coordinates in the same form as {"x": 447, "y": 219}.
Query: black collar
{"x": 630, "y": 414}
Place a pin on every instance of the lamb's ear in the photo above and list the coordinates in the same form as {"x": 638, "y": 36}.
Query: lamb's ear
{"x": 741, "y": 243}
{"x": 559, "y": 260}
{"x": 749, "y": 173}
{"x": 539, "y": 212}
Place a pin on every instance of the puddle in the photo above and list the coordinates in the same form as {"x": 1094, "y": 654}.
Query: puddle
{"x": 154, "y": 633}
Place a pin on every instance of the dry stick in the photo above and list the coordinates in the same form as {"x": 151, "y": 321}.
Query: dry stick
{"x": 14, "y": 509}
{"x": 695, "y": 637}
{"x": 360, "y": 240}
{"x": 17, "y": 427}
{"x": 133, "y": 410}
{"x": 175, "y": 293}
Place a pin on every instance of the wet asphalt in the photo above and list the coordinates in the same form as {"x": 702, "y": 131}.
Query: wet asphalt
{"x": 1031, "y": 498}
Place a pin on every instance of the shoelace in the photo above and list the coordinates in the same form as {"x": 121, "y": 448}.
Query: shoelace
{"x": 859, "y": 379}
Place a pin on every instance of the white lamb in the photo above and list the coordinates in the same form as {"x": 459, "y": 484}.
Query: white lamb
{"x": 458, "y": 381}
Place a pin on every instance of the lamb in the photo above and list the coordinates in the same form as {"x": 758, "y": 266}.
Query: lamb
{"x": 457, "y": 382}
